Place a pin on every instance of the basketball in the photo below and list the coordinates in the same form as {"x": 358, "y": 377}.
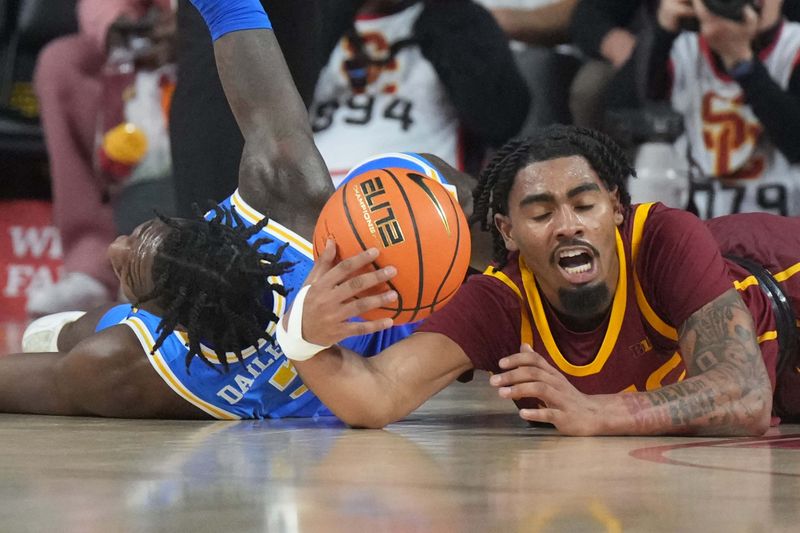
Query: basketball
{"x": 418, "y": 227}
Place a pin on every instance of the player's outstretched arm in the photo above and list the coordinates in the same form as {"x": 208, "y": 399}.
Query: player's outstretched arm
{"x": 373, "y": 391}
{"x": 281, "y": 169}
{"x": 105, "y": 374}
{"x": 728, "y": 391}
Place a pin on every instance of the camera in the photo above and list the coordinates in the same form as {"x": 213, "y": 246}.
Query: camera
{"x": 730, "y": 9}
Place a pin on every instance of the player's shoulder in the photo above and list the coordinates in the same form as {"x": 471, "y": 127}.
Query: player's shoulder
{"x": 235, "y": 211}
{"x": 504, "y": 284}
{"x": 657, "y": 217}
{"x": 663, "y": 235}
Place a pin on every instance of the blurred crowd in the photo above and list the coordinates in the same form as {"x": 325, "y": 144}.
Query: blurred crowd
{"x": 703, "y": 93}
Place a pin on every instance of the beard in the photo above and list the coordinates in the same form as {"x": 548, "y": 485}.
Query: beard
{"x": 586, "y": 302}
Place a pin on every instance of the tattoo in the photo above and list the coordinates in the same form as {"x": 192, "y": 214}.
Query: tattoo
{"x": 728, "y": 389}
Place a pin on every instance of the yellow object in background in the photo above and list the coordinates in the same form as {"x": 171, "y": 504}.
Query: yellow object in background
{"x": 125, "y": 144}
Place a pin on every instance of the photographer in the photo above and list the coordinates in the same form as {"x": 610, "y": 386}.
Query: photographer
{"x": 729, "y": 67}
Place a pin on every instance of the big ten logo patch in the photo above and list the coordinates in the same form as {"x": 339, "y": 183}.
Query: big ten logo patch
{"x": 30, "y": 253}
{"x": 641, "y": 347}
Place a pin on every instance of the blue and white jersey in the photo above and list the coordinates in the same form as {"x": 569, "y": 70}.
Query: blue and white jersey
{"x": 266, "y": 385}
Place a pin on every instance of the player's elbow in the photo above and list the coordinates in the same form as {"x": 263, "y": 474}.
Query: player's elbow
{"x": 375, "y": 414}
{"x": 367, "y": 419}
{"x": 758, "y": 404}
{"x": 752, "y": 411}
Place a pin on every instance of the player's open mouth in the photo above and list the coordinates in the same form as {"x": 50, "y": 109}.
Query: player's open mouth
{"x": 577, "y": 264}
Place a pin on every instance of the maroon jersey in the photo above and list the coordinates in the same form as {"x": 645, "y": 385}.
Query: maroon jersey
{"x": 773, "y": 242}
{"x": 670, "y": 266}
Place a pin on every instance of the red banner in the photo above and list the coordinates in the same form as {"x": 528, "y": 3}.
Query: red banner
{"x": 30, "y": 253}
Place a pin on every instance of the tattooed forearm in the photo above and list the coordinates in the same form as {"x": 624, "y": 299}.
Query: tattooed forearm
{"x": 728, "y": 390}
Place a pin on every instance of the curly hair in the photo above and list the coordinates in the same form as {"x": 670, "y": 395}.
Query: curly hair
{"x": 490, "y": 196}
{"x": 213, "y": 282}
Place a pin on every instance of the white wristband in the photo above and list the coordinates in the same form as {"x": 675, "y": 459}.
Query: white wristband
{"x": 291, "y": 341}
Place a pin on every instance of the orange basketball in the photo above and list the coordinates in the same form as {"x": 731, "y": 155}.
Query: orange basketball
{"x": 418, "y": 227}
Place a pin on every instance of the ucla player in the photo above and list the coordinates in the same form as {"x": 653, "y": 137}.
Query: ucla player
{"x": 198, "y": 339}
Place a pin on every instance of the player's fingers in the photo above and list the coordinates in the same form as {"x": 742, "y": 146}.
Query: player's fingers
{"x": 537, "y": 389}
{"x": 540, "y": 362}
{"x": 362, "y": 282}
{"x": 523, "y": 374}
{"x": 328, "y": 254}
{"x": 323, "y": 263}
{"x": 365, "y": 328}
{"x": 359, "y": 306}
{"x": 543, "y": 414}
{"x": 349, "y": 266}
{"x": 526, "y": 357}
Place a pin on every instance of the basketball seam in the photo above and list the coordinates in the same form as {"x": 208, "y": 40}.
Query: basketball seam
{"x": 355, "y": 233}
{"x": 454, "y": 255}
{"x": 418, "y": 243}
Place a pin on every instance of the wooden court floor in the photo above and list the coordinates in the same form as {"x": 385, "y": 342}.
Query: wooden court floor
{"x": 462, "y": 462}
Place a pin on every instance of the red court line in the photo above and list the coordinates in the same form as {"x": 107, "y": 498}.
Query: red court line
{"x": 657, "y": 454}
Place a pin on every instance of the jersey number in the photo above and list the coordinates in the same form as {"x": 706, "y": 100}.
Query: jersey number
{"x": 359, "y": 110}
{"x": 772, "y": 197}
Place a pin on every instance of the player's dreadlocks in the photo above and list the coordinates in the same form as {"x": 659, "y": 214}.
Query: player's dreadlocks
{"x": 210, "y": 280}
{"x": 491, "y": 194}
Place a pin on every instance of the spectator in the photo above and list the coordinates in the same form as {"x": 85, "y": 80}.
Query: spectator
{"x": 606, "y": 32}
{"x": 536, "y": 22}
{"x": 68, "y": 82}
{"x": 540, "y": 33}
{"x": 412, "y": 75}
{"x": 737, "y": 86}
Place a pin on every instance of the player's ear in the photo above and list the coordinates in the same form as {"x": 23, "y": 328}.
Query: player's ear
{"x": 503, "y": 224}
{"x": 617, "y": 206}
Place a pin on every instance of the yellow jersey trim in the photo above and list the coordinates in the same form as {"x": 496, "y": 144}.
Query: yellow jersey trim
{"x": 490, "y": 271}
{"x": 252, "y": 215}
{"x": 160, "y": 365}
{"x": 749, "y": 281}
{"x": 526, "y": 334}
{"x": 780, "y": 277}
{"x": 767, "y": 336}
{"x": 788, "y": 273}
{"x": 614, "y": 325}
{"x": 657, "y": 323}
{"x": 655, "y": 379}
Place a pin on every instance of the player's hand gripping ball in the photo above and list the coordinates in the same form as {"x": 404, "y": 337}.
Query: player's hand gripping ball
{"x": 419, "y": 229}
